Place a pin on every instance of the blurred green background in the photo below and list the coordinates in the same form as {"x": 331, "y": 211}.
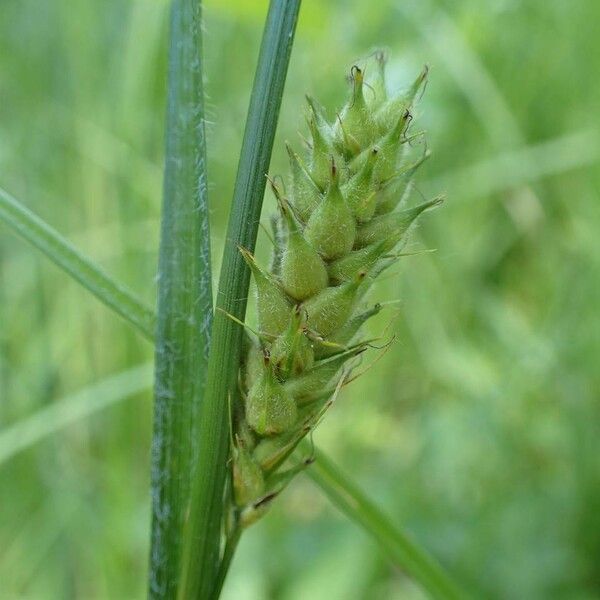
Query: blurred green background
{"x": 478, "y": 431}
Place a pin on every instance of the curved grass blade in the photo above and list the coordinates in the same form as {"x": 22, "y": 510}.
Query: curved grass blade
{"x": 33, "y": 229}
{"x": 201, "y": 555}
{"x": 403, "y": 552}
{"x": 25, "y": 433}
{"x": 184, "y": 301}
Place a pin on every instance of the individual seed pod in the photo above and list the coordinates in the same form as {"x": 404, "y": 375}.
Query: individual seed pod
{"x": 387, "y": 115}
{"x": 255, "y": 511}
{"x": 320, "y": 116}
{"x": 291, "y": 352}
{"x": 348, "y": 267}
{"x": 359, "y": 191}
{"x": 354, "y": 128}
{"x": 272, "y": 451}
{"x": 330, "y": 308}
{"x": 273, "y": 307}
{"x": 393, "y": 225}
{"x": 331, "y": 228}
{"x": 306, "y": 196}
{"x": 314, "y": 381}
{"x": 269, "y": 409}
{"x": 390, "y": 149}
{"x": 248, "y": 479}
{"x": 253, "y": 363}
{"x": 303, "y": 272}
{"x": 398, "y": 189}
{"x": 338, "y": 341}
{"x": 320, "y": 154}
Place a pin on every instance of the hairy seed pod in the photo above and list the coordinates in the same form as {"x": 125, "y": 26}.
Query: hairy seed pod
{"x": 321, "y": 153}
{"x": 391, "y": 226}
{"x": 269, "y": 408}
{"x": 338, "y": 342}
{"x": 305, "y": 193}
{"x": 273, "y": 305}
{"x": 348, "y": 267}
{"x": 291, "y": 352}
{"x": 398, "y": 189}
{"x": 354, "y": 128}
{"x": 248, "y": 479}
{"x": 313, "y": 382}
{"x": 385, "y": 117}
{"x": 331, "y": 229}
{"x": 329, "y": 309}
{"x": 303, "y": 272}
{"x": 360, "y": 192}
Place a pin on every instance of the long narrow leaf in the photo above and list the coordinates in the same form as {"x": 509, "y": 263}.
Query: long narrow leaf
{"x": 351, "y": 500}
{"x": 201, "y": 556}
{"x": 56, "y": 248}
{"x": 79, "y": 405}
{"x": 184, "y": 301}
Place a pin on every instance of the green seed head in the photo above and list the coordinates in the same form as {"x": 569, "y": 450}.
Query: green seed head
{"x": 340, "y": 229}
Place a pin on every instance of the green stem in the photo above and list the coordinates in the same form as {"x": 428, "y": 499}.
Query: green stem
{"x": 184, "y": 302}
{"x": 230, "y": 547}
{"x": 201, "y": 555}
{"x": 36, "y": 231}
{"x": 403, "y": 552}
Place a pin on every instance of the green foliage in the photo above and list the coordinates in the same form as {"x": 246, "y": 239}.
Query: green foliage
{"x": 478, "y": 426}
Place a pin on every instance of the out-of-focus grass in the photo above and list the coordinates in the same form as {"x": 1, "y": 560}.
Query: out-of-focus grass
{"x": 479, "y": 428}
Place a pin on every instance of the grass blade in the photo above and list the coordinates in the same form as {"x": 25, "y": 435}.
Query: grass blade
{"x": 33, "y": 229}
{"x": 407, "y": 555}
{"x": 201, "y": 557}
{"x": 50, "y": 419}
{"x": 184, "y": 300}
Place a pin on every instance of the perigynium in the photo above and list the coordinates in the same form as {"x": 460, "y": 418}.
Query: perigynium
{"x": 342, "y": 221}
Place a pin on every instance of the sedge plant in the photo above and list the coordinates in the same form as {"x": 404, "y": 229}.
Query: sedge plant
{"x": 233, "y": 402}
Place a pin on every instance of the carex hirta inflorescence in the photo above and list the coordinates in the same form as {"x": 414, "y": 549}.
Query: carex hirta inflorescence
{"x": 342, "y": 221}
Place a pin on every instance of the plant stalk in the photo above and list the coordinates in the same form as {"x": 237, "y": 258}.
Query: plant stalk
{"x": 184, "y": 301}
{"x": 203, "y": 532}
